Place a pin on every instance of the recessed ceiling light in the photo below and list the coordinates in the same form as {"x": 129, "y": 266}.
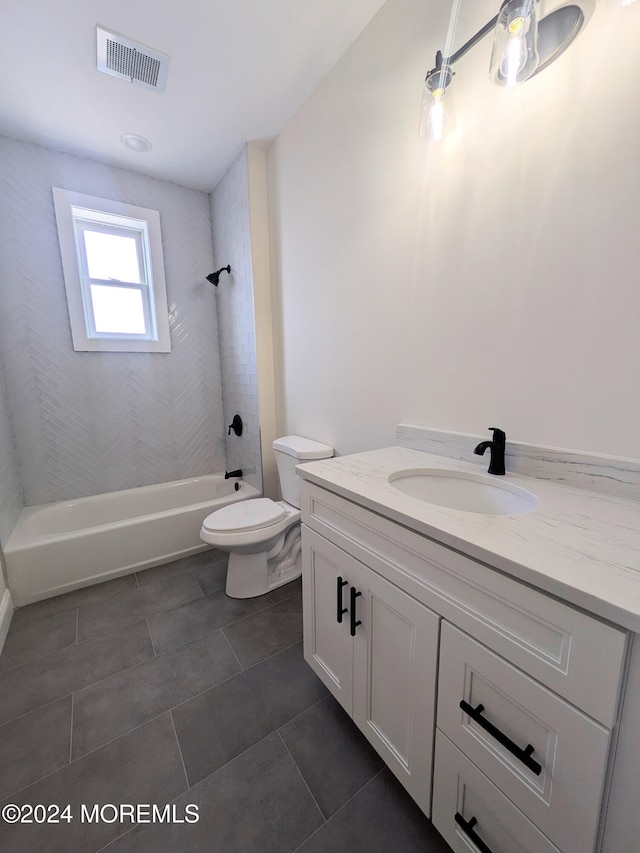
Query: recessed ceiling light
{"x": 135, "y": 142}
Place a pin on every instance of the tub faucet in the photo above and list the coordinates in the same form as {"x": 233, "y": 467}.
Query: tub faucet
{"x": 496, "y": 447}
{"x": 237, "y": 473}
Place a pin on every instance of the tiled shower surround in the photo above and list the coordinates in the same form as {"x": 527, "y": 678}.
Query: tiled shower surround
{"x": 232, "y": 246}
{"x": 11, "y": 501}
{"x": 86, "y": 423}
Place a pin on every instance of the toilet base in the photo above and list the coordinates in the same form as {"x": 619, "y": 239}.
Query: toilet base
{"x": 250, "y": 575}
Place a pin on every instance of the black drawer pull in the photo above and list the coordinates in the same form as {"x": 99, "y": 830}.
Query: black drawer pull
{"x": 340, "y": 610}
{"x": 523, "y": 755}
{"x": 354, "y": 623}
{"x": 467, "y": 828}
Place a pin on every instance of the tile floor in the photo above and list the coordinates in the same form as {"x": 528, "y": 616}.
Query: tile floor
{"x": 157, "y": 688}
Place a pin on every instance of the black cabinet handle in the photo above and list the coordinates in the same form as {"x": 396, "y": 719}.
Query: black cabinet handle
{"x": 354, "y": 623}
{"x": 467, "y": 828}
{"x": 341, "y": 610}
{"x": 523, "y": 755}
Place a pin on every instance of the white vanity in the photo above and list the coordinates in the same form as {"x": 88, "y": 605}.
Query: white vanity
{"x": 485, "y": 657}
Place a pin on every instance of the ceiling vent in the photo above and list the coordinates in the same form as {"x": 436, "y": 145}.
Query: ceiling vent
{"x": 121, "y": 57}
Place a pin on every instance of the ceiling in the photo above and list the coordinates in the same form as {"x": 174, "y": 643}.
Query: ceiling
{"x": 239, "y": 70}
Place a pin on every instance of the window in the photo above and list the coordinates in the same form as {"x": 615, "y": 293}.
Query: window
{"x": 114, "y": 274}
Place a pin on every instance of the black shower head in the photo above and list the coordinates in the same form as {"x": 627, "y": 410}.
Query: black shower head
{"x": 214, "y": 277}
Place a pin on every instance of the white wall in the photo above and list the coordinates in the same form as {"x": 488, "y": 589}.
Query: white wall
{"x": 492, "y": 282}
{"x": 86, "y": 423}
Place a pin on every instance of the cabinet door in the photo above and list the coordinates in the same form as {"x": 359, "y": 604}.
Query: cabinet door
{"x": 327, "y": 575}
{"x": 395, "y": 661}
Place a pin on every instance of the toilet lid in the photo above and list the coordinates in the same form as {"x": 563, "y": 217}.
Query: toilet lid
{"x": 244, "y": 515}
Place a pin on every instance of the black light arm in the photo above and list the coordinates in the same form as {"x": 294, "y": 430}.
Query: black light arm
{"x": 466, "y": 47}
{"x": 447, "y": 62}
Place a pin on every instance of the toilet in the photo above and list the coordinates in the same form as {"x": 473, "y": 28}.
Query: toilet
{"x": 262, "y": 536}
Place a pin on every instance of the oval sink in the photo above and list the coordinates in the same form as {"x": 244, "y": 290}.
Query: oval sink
{"x": 464, "y": 490}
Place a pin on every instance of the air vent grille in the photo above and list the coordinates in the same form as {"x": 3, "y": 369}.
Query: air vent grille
{"x": 132, "y": 63}
{"x": 121, "y": 57}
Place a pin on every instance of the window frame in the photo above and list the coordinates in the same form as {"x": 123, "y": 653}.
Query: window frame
{"x": 76, "y": 211}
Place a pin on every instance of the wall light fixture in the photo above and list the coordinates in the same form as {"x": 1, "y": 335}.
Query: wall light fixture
{"x": 522, "y": 47}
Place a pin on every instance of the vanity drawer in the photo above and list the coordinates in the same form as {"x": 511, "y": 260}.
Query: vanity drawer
{"x": 549, "y": 758}
{"x": 467, "y": 807}
{"x": 558, "y": 645}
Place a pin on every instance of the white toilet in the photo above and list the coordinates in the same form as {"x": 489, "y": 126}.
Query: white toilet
{"x": 263, "y": 536}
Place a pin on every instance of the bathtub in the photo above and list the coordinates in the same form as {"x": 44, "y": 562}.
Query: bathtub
{"x": 59, "y": 547}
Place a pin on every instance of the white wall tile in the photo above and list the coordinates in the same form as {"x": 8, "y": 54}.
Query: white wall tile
{"x": 11, "y": 499}
{"x": 87, "y": 423}
{"x": 232, "y": 245}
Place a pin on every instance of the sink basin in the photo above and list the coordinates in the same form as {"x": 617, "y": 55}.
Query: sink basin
{"x": 464, "y": 490}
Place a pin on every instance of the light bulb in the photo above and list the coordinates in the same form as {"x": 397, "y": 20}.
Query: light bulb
{"x": 515, "y": 47}
{"x": 438, "y": 116}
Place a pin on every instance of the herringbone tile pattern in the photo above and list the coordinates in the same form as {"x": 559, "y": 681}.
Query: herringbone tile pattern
{"x": 86, "y": 423}
{"x": 232, "y": 245}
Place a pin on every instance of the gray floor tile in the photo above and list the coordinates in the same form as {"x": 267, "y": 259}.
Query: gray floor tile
{"x": 259, "y": 636}
{"x": 177, "y": 567}
{"x": 218, "y": 725}
{"x": 212, "y": 577}
{"x": 381, "y": 818}
{"x": 31, "y": 640}
{"x": 48, "y": 678}
{"x": 334, "y": 757}
{"x": 120, "y": 703}
{"x": 141, "y": 767}
{"x": 34, "y": 745}
{"x": 70, "y": 600}
{"x": 286, "y": 591}
{"x": 257, "y": 803}
{"x": 197, "y": 618}
{"x": 103, "y": 616}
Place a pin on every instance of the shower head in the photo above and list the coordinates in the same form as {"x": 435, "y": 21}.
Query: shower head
{"x": 214, "y": 277}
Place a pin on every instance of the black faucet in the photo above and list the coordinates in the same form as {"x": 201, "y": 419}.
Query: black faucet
{"x": 496, "y": 466}
{"x": 236, "y": 473}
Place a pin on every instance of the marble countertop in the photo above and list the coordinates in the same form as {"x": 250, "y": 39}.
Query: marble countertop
{"x": 581, "y": 546}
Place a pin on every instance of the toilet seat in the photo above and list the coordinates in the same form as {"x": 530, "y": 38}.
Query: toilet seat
{"x": 232, "y": 531}
{"x": 244, "y": 516}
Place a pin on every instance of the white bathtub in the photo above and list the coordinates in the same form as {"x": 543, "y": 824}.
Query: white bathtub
{"x": 62, "y": 546}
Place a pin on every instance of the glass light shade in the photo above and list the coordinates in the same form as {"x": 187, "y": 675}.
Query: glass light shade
{"x": 515, "y": 46}
{"x": 438, "y": 113}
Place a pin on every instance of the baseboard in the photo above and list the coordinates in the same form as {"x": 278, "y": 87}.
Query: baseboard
{"x": 6, "y": 612}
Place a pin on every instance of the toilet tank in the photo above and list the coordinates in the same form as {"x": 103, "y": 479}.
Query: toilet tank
{"x": 289, "y": 451}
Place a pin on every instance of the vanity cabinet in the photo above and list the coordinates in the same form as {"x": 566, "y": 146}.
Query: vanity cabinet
{"x": 376, "y": 649}
{"x": 528, "y": 687}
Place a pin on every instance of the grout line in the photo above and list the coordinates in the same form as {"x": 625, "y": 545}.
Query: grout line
{"x": 184, "y": 767}
{"x": 77, "y": 623}
{"x": 300, "y": 774}
{"x": 336, "y": 813}
{"x": 237, "y": 675}
{"x": 71, "y": 731}
{"x": 198, "y": 584}
{"x": 52, "y": 772}
{"x": 146, "y": 622}
{"x": 233, "y": 651}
